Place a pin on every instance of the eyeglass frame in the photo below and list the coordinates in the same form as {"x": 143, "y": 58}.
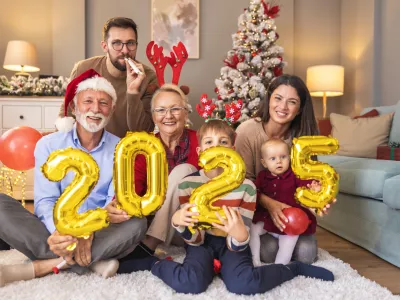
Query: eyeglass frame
{"x": 181, "y": 108}
{"x": 124, "y": 44}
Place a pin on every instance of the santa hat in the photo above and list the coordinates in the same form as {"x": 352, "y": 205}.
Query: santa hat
{"x": 89, "y": 80}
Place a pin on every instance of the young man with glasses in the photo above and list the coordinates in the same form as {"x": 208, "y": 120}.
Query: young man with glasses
{"x": 132, "y": 112}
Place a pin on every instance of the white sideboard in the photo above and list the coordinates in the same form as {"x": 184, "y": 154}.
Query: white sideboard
{"x": 36, "y": 112}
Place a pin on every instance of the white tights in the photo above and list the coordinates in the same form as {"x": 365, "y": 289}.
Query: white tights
{"x": 286, "y": 244}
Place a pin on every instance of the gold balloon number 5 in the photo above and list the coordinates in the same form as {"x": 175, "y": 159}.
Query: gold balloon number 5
{"x": 304, "y": 167}
{"x": 234, "y": 171}
{"x": 66, "y": 217}
{"x": 157, "y": 173}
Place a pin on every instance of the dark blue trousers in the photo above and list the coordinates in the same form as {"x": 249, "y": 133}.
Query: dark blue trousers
{"x": 196, "y": 272}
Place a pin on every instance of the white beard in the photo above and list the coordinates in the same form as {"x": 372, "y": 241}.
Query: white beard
{"x": 91, "y": 127}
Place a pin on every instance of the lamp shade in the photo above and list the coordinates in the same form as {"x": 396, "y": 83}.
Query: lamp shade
{"x": 328, "y": 79}
{"x": 21, "y": 56}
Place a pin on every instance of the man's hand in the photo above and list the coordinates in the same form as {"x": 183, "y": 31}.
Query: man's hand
{"x": 183, "y": 216}
{"x": 58, "y": 245}
{"x": 134, "y": 80}
{"x": 83, "y": 251}
{"x": 116, "y": 215}
{"x": 233, "y": 225}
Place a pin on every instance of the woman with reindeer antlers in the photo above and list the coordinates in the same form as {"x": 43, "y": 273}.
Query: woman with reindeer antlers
{"x": 170, "y": 109}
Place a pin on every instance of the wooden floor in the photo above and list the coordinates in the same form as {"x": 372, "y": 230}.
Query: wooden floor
{"x": 366, "y": 263}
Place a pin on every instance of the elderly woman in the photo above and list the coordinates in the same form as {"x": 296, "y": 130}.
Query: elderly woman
{"x": 286, "y": 113}
{"x": 169, "y": 107}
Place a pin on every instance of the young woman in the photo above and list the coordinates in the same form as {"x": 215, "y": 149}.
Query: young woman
{"x": 286, "y": 113}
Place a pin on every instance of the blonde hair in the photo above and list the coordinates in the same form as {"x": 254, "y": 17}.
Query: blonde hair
{"x": 216, "y": 126}
{"x": 171, "y": 88}
{"x": 273, "y": 142}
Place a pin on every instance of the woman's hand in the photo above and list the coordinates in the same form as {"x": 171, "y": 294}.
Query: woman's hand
{"x": 275, "y": 209}
{"x": 324, "y": 210}
{"x": 183, "y": 216}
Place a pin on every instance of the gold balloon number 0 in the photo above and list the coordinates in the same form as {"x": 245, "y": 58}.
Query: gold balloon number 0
{"x": 66, "y": 217}
{"x": 234, "y": 171}
{"x": 304, "y": 167}
{"x": 157, "y": 173}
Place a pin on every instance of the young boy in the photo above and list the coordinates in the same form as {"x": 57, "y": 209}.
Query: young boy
{"x": 280, "y": 183}
{"x": 227, "y": 242}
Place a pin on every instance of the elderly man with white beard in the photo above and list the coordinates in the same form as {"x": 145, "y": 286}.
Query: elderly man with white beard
{"x": 92, "y": 98}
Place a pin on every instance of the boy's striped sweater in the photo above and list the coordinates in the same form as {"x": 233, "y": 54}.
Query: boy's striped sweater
{"x": 244, "y": 198}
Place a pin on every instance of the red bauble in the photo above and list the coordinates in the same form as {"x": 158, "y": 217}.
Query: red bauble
{"x": 298, "y": 221}
{"x": 17, "y": 147}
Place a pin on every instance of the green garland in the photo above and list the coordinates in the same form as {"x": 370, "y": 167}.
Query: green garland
{"x": 29, "y": 86}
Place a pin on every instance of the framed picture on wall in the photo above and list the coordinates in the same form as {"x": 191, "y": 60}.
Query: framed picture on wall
{"x": 174, "y": 21}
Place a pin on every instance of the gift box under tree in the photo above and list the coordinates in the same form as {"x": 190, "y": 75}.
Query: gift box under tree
{"x": 390, "y": 152}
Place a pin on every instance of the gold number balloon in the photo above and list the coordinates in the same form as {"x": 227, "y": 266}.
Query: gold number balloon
{"x": 303, "y": 148}
{"x": 66, "y": 217}
{"x": 205, "y": 195}
{"x": 157, "y": 173}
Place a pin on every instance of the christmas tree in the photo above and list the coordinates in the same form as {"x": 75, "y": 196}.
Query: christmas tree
{"x": 253, "y": 62}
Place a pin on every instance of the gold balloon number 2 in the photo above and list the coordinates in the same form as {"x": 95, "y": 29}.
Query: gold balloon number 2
{"x": 304, "y": 167}
{"x": 66, "y": 217}
{"x": 234, "y": 171}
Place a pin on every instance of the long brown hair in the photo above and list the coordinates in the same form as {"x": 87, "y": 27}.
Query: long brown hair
{"x": 304, "y": 123}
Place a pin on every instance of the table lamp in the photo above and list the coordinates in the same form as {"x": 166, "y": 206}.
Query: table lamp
{"x": 325, "y": 81}
{"x": 21, "y": 57}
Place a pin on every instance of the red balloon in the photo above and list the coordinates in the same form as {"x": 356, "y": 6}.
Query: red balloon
{"x": 298, "y": 221}
{"x": 17, "y": 146}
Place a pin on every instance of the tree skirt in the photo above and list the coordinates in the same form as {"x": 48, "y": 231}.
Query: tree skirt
{"x": 348, "y": 284}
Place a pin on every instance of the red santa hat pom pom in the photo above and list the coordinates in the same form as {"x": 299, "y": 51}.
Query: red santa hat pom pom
{"x": 89, "y": 80}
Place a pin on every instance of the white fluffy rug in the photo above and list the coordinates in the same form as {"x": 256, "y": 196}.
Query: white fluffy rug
{"x": 142, "y": 285}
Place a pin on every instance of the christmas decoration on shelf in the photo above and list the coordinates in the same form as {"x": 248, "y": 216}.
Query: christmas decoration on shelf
{"x": 253, "y": 62}
{"x": 29, "y": 86}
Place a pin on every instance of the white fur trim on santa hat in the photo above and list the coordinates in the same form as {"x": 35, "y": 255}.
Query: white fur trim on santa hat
{"x": 65, "y": 124}
{"x": 97, "y": 84}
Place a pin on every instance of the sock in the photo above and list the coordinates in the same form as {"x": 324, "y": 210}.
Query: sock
{"x": 106, "y": 268}
{"x": 11, "y": 273}
{"x": 141, "y": 251}
{"x": 137, "y": 264}
{"x": 299, "y": 268}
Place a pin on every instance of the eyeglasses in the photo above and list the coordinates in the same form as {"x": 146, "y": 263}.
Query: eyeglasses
{"x": 177, "y": 110}
{"x": 118, "y": 45}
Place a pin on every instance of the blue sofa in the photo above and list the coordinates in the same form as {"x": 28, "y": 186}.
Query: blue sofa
{"x": 367, "y": 211}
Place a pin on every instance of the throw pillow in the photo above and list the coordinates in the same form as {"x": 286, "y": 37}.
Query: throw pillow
{"x": 325, "y": 126}
{"x": 360, "y": 137}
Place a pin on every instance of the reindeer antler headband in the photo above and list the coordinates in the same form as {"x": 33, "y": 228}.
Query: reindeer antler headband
{"x": 176, "y": 60}
{"x": 206, "y": 107}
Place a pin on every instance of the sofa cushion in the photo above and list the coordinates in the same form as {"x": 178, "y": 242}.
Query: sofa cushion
{"x": 360, "y": 137}
{"x": 391, "y": 192}
{"x": 325, "y": 126}
{"x": 362, "y": 176}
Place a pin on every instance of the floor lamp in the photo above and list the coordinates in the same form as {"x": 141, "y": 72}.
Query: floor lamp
{"x": 325, "y": 81}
